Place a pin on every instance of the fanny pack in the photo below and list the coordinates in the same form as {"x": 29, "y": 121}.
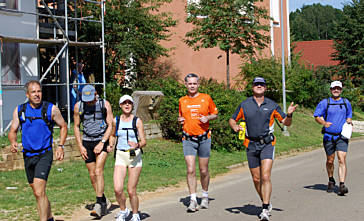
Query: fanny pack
{"x": 195, "y": 138}
{"x": 267, "y": 139}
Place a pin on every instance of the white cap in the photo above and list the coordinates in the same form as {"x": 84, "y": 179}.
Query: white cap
{"x": 124, "y": 98}
{"x": 336, "y": 84}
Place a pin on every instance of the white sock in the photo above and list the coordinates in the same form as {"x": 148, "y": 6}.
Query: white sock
{"x": 205, "y": 194}
{"x": 193, "y": 197}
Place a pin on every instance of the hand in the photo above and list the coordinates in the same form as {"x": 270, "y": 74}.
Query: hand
{"x": 204, "y": 119}
{"x": 14, "y": 147}
{"x": 181, "y": 120}
{"x": 291, "y": 108}
{"x": 327, "y": 124}
{"x": 59, "y": 153}
{"x": 132, "y": 144}
{"x": 349, "y": 121}
{"x": 238, "y": 128}
{"x": 109, "y": 148}
{"x": 83, "y": 152}
{"x": 99, "y": 147}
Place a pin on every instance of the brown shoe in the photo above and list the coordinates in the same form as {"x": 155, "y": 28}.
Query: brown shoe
{"x": 330, "y": 187}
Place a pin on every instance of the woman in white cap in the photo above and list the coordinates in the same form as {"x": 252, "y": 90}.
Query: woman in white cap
{"x": 126, "y": 130}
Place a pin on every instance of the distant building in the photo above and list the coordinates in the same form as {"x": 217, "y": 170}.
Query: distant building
{"x": 315, "y": 53}
{"x": 212, "y": 62}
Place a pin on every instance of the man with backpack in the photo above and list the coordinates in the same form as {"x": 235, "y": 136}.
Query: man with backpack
{"x": 96, "y": 117}
{"x": 36, "y": 119}
{"x": 333, "y": 113}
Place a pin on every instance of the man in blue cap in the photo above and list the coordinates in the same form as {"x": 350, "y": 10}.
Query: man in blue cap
{"x": 258, "y": 112}
{"x": 96, "y": 117}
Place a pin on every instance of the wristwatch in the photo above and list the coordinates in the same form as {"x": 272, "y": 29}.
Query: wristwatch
{"x": 103, "y": 141}
{"x": 60, "y": 145}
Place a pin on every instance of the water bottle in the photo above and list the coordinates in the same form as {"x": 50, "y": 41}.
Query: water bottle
{"x": 242, "y": 132}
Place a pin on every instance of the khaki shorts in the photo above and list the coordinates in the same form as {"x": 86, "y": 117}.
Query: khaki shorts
{"x": 124, "y": 159}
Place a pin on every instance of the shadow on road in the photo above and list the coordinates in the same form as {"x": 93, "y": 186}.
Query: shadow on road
{"x": 322, "y": 187}
{"x": 248, "y": 209}
{"x": 186, "y": 200}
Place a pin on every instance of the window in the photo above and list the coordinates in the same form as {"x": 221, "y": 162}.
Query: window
{"x": 10, "y": 59}
{"x": 275, "y": 12}
{"x": 197, "y": 3}
{"x": 9, "y": 4}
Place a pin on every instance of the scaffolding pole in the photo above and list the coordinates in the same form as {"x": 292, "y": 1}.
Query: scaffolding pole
{"x": 66, "y": 42}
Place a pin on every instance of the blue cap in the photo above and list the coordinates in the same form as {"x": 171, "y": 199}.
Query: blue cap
{"x": 259, "y": 80}
{"x": 88, "y": 93}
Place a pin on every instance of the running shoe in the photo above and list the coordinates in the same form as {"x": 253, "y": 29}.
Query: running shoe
{"x": 330, "y": 187}
{"x": 122, "y": 215}
{"x": 135, "y": 218}
{"x": 96, "y": 211}
{"x": 193, "y": 207}
{"x": 264, "y": 215}
{"x": 342, "y": 190}
{"x": 108, "y": 204}
{"x": 90, "y": 206}
{"x": 204, "y": 203}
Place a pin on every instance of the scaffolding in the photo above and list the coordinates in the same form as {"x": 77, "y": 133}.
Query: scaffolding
{"x": 64, "y": 42}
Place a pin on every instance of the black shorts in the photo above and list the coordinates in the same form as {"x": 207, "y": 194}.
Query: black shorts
{"x": 90, "y": 146}
{"x": 38, "y": 166}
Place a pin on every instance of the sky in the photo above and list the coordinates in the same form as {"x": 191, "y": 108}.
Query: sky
{"x": 296, "y": 4}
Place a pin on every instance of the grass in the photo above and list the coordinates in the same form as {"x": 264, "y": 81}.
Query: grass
{"x": 163, "y": 165}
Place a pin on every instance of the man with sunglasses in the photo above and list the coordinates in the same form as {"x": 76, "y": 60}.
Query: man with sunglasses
{"x": 332, "y": 113}
{"x": 258, "y": 112}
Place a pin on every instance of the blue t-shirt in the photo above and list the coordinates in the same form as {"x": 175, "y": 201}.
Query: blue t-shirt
{"x": 35, "y": 133}
{"x": 336, "y": 114}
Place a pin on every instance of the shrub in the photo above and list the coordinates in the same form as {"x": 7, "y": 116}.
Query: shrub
{"x": 223, "y": 137}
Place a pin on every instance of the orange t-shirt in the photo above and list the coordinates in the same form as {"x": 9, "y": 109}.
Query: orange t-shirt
{"x": 192, "y": 109}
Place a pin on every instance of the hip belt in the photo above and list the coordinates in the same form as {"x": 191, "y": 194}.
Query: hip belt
{"x": 267, "y": 139}
{"x": 37, "y": 151}
{"x": 195, "y": 138}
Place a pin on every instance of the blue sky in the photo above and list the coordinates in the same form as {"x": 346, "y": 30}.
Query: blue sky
{"x": 296, "y": 4}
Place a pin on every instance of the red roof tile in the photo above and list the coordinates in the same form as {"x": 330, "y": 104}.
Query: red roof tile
{"x": 317, "y": 53}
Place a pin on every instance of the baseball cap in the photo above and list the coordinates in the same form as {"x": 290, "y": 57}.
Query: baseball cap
{"x": 336, "y": 84}
{"x": 124, "y": 98}
{"x": 259, "y": 80}
{"x": 88, "y": 93}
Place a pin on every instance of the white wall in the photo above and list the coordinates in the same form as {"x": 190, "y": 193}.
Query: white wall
{"x": 20, "y": 25}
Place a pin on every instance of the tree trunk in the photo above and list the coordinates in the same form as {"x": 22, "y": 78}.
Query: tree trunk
{"x": 227, "y": 69}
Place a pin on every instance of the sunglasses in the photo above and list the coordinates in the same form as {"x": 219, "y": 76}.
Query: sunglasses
{"x": 259, "y": 84}
{"x": 336, "y": 88}
{"x": 127, "y": 102}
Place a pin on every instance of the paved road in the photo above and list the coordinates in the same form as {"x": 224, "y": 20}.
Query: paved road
{"x": 299, "y": 193}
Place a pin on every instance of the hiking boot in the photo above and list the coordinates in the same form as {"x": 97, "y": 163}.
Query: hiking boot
{"x": 342, "y": 190}
{"x": 204, "y": 203}
{"x": 103, "y": 208}
{"x": 122, "y": 215}
{"x": 193, "y": 207}
{"x": 96, "y": 211}
{"x": 330, "y": 187}
{"x": 264, "y": 215}
{"x": 108, "y": 204}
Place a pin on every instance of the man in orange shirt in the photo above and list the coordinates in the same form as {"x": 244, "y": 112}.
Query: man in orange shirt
{"x": 195, "y": 111}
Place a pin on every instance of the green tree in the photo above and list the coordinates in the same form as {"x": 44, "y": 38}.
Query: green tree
{"x": 133, "y": 31}
{"x": 349, "y": 42}
{"x": 314, "y": 22}
{"x": 236, "y": 26}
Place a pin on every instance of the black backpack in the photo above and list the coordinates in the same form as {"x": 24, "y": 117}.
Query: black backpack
{"x": 103, "y": 110}
{"x": 134, "y": 128}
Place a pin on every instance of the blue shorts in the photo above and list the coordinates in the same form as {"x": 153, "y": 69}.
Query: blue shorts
{"x": 257, "y": 152}
{"x": 202, "y": 148}
{"x": 339, "y": 145}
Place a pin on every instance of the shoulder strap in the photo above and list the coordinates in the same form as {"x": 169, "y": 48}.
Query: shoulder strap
{"x": 117, "y": 124}
{"x": 327, "y": 107}
{"x": 21, "y": 113}
{"x": 103, "y": 109}
{"x": 81, "y": 110}
{"x": 45, "y": 116}
{"x": 135, "y": 127}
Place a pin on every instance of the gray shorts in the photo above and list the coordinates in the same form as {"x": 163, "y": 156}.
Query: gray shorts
{"x": 202, "y": 148}
{"x": 257, "y": 152}
{"x": 339, "y": 145}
